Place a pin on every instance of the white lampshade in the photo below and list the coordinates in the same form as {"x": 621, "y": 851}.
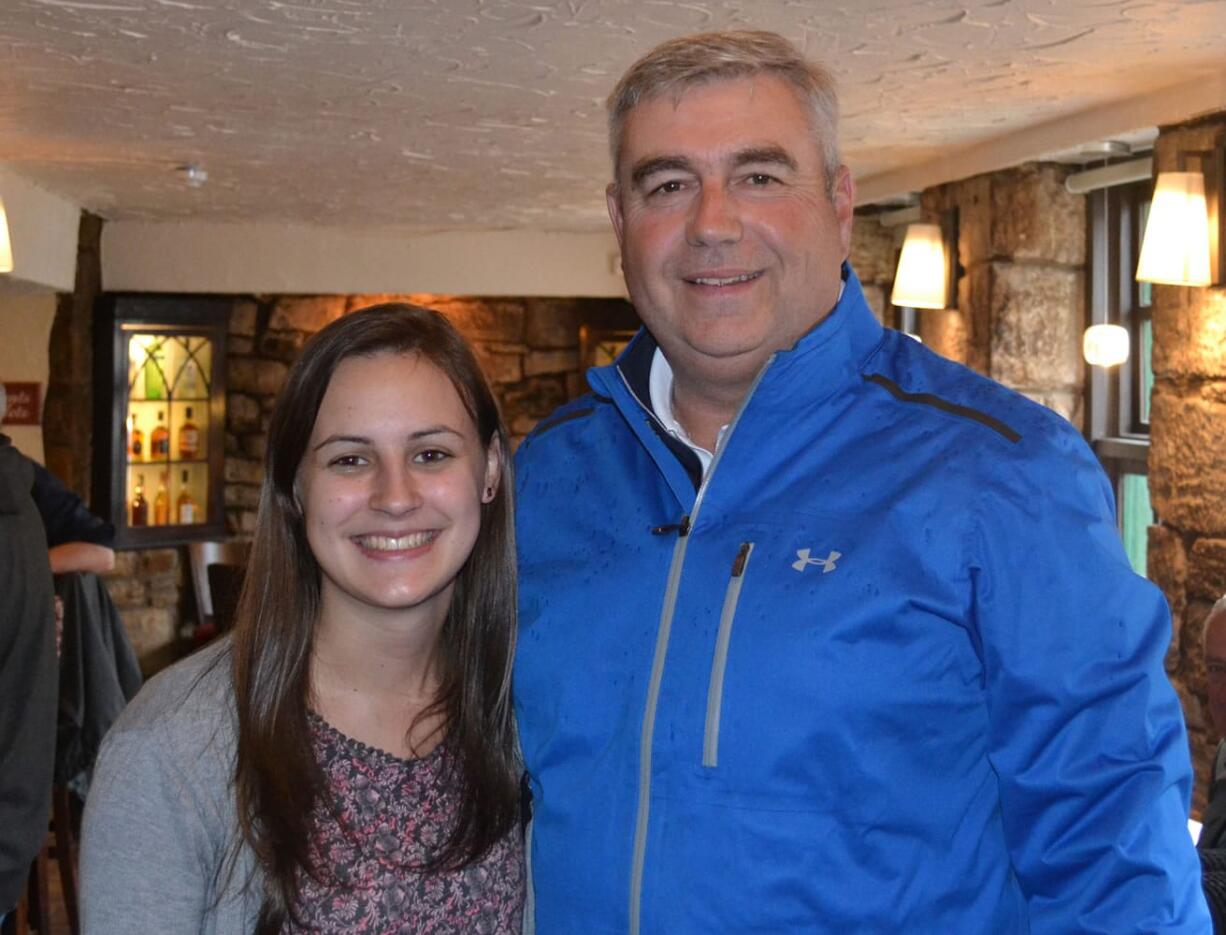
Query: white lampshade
{"x": 6, "y": 246}
{"x": 1105, "y": 345}
{"x": 1175, "y": 249}
{"x": 920, "y": 279}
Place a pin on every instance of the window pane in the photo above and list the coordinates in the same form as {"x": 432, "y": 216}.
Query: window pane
{"x": 1146, "y": 361}
{"x": 1135, "y": 518}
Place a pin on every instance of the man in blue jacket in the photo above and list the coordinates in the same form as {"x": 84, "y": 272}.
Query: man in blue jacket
{"x": 821, "y": 632}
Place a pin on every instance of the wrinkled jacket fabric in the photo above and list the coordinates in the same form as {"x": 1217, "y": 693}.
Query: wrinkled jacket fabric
{"x": 891, "y": 672}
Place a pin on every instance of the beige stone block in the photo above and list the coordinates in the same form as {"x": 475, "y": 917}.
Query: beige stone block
{"x": 1065, "y": 403}
{"x": 1187, "y": 457}
{"x": 255, "y": 375}
{"x": 305, "y": 313}
{"x": 164, "y": 594}
{"x": 522, "y": 425}
{"x": 242, "y": 412}
{"x": 945, "y": 331}
{"x": 255, "y": 446}
{"x": 873, "y": 250}
{"x": 126, "y": 591}
{"x": 875, "y": 297}
{"x": 550, "y": 323}
{"x": 1036, "y": 326}
{"x": 282, "y": 346}
{"x": 127, "y": 564}
{"x": 541, "y": 362}
{"x": 244, "y": 471}
{"x": 240, "y": 346}
{"x": 1189, "y": 332}
{"x": 500, "y": 368}
{"x": 242, "y": 496}
{"x": 1034, "y": 217}
{"x": 159, "y": 562}
{"x": 243, "y": 316}
{"x": 1193, "y": 645}
{"x": 533, "y": 399}
{"x": 151, "y": 629}
{"x": 1207, "y": 569}
{"x": 478, "y": 319}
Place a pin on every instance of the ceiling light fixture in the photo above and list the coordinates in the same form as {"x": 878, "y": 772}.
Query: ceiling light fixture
{"x": 194, "y": 175}
{"x": 921, "y": 280}
{"x": 1184, "y": 234}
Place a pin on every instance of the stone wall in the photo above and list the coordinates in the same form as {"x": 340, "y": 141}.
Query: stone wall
{"x": 874, "y": 256}
{"x": 529, "y": 348}
{"x": 1187, "y": 462}
{"x": 1020, "y": 303}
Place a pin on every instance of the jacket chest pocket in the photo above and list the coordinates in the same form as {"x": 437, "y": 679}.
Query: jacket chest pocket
{"x": 829, "y": 641}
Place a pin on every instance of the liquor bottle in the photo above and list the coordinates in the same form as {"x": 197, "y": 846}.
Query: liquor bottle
{"x": 136, "y": 441}
{"x": 155, "y": 377}
{"x": 189, "y": 439}
{"x": 185, "y": 506}
{"x": 140, "y": 506}
{"x": 159, "y": 440}
{"x": 189, "y": 383}
{"x": 161, "y": 504}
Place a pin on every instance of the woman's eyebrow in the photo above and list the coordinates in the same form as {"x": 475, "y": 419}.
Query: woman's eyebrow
{"x": 428, "y": 431}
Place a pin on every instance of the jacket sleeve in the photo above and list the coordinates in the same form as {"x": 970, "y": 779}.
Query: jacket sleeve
{"x": 1086, "y": 734}
{"x": 148, "y": 860}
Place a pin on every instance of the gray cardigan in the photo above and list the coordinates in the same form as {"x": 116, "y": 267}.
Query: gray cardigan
{"x": 160, "y": 818}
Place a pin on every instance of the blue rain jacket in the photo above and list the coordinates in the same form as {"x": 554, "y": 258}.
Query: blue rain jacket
{"x": 886, "y": 670}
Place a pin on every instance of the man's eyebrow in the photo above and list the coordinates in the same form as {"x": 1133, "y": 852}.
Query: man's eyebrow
{"x": 426, "y": 432}
{"x": 659, "y": 164}
{"x": 776, "y": 155}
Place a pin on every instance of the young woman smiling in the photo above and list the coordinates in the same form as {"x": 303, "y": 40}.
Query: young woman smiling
{"x": 347, "y": 760}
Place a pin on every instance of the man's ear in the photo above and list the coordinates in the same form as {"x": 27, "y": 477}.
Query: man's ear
{"x": 843, "y": 197}
{"x": 612, "y": 197}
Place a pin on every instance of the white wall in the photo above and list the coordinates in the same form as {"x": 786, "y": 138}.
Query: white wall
{"x": 25, "y": 330}
{"x": 43, "y": 229}
{"x": 271, "y": 258}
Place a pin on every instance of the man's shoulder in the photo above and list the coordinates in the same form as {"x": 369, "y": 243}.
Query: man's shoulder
{"x": 560, "y": 424}
{"x": 978, "y": 409}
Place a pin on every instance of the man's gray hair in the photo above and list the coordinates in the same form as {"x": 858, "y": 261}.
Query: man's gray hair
{"x": 678, "y": 64}
{"x": 1216, "y": 615}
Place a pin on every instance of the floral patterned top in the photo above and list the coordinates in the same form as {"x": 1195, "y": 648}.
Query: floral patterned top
{"x": 389, "y": 815}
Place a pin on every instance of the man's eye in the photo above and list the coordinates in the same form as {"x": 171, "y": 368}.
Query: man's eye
{"x": 667, "y": 188}
{"x": 761, "y": 178}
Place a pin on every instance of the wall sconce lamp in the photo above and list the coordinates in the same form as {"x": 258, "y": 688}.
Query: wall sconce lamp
{"x": 1105, "y": 345}
{"x": 1184, "y": 235}
{"x": 927, "y": 265}
{"x": 6, "y": 245}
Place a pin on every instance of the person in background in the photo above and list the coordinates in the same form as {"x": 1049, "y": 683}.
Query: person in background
{"x": 1212, "y": 841}
{"x": 819, "y": 631}
{"x": 28, "y": 675}
{"x": 346, "y": 760}
{"x": 77, "y": 540}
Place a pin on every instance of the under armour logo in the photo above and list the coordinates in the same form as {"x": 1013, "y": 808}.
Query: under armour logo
{"x": 803, "y": 561}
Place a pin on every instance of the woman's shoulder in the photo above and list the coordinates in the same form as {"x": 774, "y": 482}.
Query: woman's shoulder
{"x": 193, "y": 698}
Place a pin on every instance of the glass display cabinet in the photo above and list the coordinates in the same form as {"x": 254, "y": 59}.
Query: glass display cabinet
{"x": 161, "y": 473}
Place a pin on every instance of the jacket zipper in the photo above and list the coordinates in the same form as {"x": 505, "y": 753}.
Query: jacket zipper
{"x": 643, "y": 812}
{"x": 715, "y": 689}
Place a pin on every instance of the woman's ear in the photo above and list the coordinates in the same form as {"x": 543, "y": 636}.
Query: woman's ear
{"x": 493, "y": 469}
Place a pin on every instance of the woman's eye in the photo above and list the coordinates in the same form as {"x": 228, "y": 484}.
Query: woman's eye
{"x": 347, "y": 461}
{"x": 431, "y": 456}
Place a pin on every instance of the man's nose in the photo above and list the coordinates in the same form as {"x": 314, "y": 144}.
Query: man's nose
{"x": 396, "y": 489}
{"x": 714, "y": 218}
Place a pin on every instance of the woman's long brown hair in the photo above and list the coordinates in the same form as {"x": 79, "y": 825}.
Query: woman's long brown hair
{"x": 277, "y": 782}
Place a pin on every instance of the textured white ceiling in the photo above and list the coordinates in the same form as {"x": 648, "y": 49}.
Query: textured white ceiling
{"x": 488, "y": 114}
